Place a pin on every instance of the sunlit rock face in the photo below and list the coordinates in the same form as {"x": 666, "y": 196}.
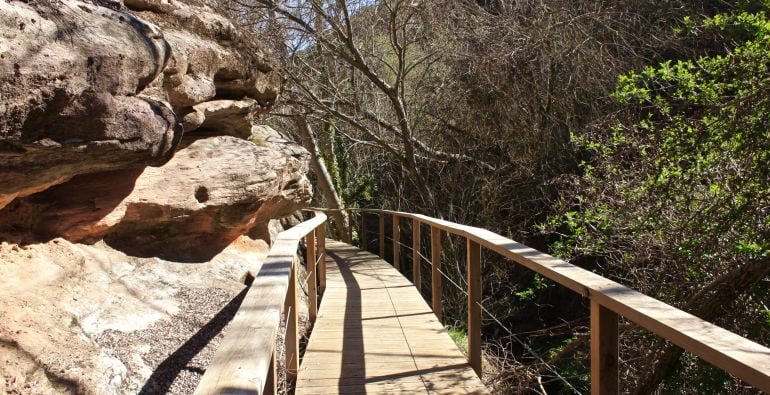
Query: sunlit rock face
{"x": 71, "y": 78}
{"x": 135, "y": 194}
{"x": 86, "y": 88}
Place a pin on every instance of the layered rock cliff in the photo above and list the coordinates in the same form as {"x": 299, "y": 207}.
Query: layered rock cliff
{"x": 136, "y": 189}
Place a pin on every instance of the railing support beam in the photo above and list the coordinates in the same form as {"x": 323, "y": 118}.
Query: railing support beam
{"x": 436, "y": 283}
{"x": 271, "y": 387}
{"x": 604, "y": 350}
{"x": 364, "y": 236}
{"x": 321, "y": 238}
{"x": 292, "y": 327}
{"x": 473, "y": 264}
{"x": 416, "y": 261}
{"x": 382, "y": 236}
{"x": 350, "y": 226}
{"x": 246, "y": 358}
{"x": 310, "y": 265}
{"x": 396, "y": 243}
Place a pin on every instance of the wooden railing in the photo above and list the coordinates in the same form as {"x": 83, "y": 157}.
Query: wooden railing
{"x": 734, "y": 354}
{"x": 245, "y": 362}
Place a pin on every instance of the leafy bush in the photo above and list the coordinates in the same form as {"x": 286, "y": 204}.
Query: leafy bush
{"x": 674, "y": 195}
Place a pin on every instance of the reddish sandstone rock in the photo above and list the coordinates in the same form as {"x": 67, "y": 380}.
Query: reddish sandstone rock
{"x": 208, "y": 194}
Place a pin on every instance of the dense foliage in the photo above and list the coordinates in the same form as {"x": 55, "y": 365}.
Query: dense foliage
{"x": 674, "y": 197}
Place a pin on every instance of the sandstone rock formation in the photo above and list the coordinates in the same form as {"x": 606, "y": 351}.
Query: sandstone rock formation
{"x": 89, "y": 319}
{"x": 128, "y": 150}
{"x": 83, "y": 116}
{"x": 70, "y": 99}
{"x": 225, "y": 117}
{"x": 86, "y": 88}
{"x": 189, "y": 209}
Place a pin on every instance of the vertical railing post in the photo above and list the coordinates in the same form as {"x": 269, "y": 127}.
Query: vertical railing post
{"x": 473, "y": 264}
{"x": 321, "y": 238}
{"x": 604, "y": 350}
{"x": 364, "y": 235}
{"x": 436, "y": 283}
{"x": 312, "y": 280}
{"x": 292, "y": 336}
{"x": 416, "y": 261}
{"x": 270, "y": 381}
{"x": 350, "y": 226}
{"x": 382, "y": 235}
{"x": 396, "y": 243}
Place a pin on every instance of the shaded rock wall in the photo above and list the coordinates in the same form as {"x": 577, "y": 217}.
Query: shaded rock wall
{"x": 212, "y": 191}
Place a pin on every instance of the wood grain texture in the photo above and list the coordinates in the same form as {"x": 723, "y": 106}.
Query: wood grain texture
{"x": 321, "y": 239}
{"x": 396, "y": 243}
{"x": 291, "y": 338}
{"x": 416, "y": 258}
{"x": 312, "y": 276}
{"x": 375, "y": 334}
{"x": 364, "y": 233}
{"x": 382, "y": 235}
{"x": 350, "y": 226}
{"x": 271, "y": 384}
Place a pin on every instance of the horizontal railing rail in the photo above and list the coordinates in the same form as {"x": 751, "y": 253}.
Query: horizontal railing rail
{"x": 245, "y": 362}
{"x": 738, "y": 356}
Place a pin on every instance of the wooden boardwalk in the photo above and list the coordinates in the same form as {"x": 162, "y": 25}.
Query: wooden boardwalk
{"x": 376, "y": 335}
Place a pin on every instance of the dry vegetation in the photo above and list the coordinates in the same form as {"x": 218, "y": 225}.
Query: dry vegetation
{"x": 465, "y": 111}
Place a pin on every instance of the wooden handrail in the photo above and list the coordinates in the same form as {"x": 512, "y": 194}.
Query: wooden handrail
{"x": 738, "y": 356}
{"x": 245, "y": 360}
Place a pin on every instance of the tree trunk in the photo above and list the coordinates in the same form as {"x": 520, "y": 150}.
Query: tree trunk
{"x": 325, "y": 185}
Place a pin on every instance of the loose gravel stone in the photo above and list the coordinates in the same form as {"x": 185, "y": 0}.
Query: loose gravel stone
{"x": 176, "y": 350}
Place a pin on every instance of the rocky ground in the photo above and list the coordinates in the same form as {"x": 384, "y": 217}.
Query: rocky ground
{"x": 87, "y": 318}
{"x": 137, "y": 190}
{"x": 175, "y": 368}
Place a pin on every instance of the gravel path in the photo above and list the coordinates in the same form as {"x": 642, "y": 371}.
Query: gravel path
{"x": 176, "y": 350}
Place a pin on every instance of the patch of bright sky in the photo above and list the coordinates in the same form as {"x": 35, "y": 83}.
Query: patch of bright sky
{"x": 299, "y": 40}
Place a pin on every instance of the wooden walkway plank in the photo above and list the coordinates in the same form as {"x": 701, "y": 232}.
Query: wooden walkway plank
{"x": 376, "y": 335}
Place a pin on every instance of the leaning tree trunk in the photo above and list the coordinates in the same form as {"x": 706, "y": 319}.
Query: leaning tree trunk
{"x": 705, "y": 305}
{"x": 325, "y": 185}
